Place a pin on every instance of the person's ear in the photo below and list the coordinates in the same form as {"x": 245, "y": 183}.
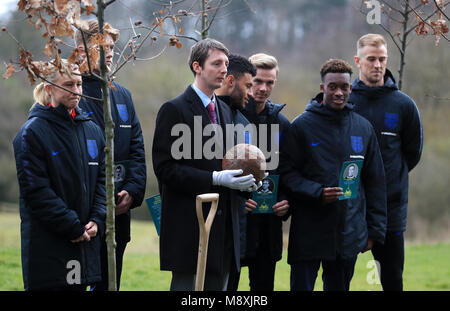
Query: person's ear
{"x": 357, "y": 59}
{"x": 48, "y": 89}
{"x": 230, "y": 80}
{"x": 197, "y": 68}
{"x": 322, "y": 87}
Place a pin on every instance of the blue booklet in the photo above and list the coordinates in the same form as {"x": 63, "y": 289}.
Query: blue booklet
{"x": 154, "y": 206}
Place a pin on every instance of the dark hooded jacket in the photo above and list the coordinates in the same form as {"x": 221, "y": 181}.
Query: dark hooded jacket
{"x": 398, "y": 127}
{"x": 266, "y": 228}
{"x": 128, "y": 143}
{"x": 240, "y": 119}
{"x": 60, "y": 168}
{"x": 319, "y": 141}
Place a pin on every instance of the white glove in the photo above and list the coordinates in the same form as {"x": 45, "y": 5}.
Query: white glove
{"x": 254, "y": 187}
{"x": 227, "y": 178}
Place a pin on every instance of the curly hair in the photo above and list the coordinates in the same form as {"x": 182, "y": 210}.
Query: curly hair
{"x": 335, "y": 66}
{"x": 239, "y": 65}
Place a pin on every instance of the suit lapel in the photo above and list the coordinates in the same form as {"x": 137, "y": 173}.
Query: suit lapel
{"x": 196, "y": 106}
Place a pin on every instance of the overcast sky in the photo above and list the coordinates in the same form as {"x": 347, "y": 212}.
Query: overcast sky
{"x": 7, "y": 5}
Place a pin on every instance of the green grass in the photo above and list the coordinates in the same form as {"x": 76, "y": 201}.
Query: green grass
{"x": 426, "y": 266}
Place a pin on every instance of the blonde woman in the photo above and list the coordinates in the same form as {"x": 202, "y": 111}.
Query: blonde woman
{"x": 60, "y": 168}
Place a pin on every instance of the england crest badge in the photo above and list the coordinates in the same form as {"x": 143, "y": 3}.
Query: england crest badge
{"x": 391, "y": 120}
{"x": 123, "y": 112}
{"x": 357, "y": 143}
{"x": 92, "y": 148}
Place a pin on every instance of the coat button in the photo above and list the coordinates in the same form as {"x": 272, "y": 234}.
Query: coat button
{"x": 219, "y": 212}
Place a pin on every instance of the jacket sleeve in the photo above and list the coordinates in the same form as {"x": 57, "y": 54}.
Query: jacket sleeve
{"x": 282, "y": 192}
{"x": 373, "y": 181}
{"x": 171, "y": 171}
{"x": 291, "y": 161}
{"x": 98, "y": 209}
{"x": 35, "y": 188}
{"x": 137, "y": 171}
{"x": 412, "y": 135}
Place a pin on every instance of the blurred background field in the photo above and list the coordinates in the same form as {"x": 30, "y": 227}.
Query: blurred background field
{"x": 426, "y": 267}
{"x": 302, "y": 34}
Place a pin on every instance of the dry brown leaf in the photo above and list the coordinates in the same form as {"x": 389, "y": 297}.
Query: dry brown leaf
{"x": 21, "y": 4}
{"x": 34, "y": 4}
{"x": 61, "y": 27}
{"x": 111, "y": 85}
{"x": 10, "y": 70}
{"x": 61, "y": 6}
{"x": 50, "y": 46}
{"x": 89, "y": 5}
{"x": 74, "y": 57}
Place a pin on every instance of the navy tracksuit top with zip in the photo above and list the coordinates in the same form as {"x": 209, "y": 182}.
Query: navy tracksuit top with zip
{"x": 128, "y": 142}
{"x": 60, "y": 168}
{"x": 318, "y": 142}
{"x": 398, "y": 127}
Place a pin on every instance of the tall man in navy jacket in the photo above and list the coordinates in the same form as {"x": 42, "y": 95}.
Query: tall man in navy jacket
{"x": 326, "y": 229}
{"x": 397, "y": 123}
{"x": 128, "y": 146}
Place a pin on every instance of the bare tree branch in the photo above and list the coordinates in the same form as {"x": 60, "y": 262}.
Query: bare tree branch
{"x": 440, "y": 10}
{"x": 425, "y": 21}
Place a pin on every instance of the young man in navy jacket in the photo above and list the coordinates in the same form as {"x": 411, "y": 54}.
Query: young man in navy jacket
{"x": 325, "y": 228}
{"x": 264, "y": 236}
{"x": 398, "y": 127}
{"x": 129, "y": 150}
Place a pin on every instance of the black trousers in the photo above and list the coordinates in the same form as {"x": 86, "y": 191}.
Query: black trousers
{"x": 336, "y": 275}
{"x": 120, "y": 250}
{"x": 391, "y": 257}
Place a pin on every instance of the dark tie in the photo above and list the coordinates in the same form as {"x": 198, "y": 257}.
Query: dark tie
{"x": 212, "y": 112}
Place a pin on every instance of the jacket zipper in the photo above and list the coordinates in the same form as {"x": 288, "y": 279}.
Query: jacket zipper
{"x": 82, "y": 244}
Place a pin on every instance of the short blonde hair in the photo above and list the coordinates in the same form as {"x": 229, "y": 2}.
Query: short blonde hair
{"x": 370, "y": 39}
{"x": 264, "y": 61}
{"x": 51, "y": 73}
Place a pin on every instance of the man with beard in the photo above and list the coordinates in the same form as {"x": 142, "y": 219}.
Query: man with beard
{"x": 236, "y": 91}
{"x": 397, "y": 123}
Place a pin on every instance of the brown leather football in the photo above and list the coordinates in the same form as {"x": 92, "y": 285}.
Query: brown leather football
{"x": 247, "y": 157}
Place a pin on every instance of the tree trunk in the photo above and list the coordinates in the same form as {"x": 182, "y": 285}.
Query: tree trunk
{"x": 403, "y": 46}
{"x": 204, "y": 20}
{"x": 109, "y": 162}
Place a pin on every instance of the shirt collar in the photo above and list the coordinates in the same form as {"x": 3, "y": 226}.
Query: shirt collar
{"x": 204, "y": 98}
